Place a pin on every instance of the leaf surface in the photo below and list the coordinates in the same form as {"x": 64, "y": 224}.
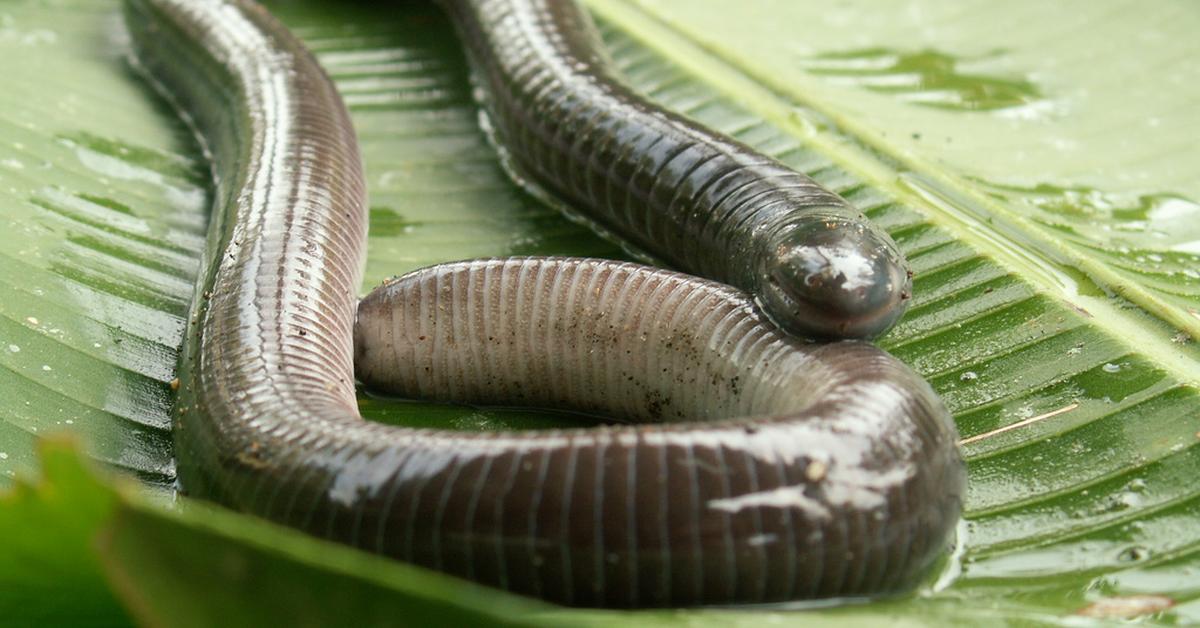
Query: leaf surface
{"x": 1048, "y": 217}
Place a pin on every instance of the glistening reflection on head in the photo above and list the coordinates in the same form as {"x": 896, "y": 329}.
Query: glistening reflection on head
{"x": 830, "y": 276}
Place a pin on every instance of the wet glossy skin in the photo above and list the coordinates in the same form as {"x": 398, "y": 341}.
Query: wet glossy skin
{"x": 768, "y": 469}
{"x": 702, "y": 202}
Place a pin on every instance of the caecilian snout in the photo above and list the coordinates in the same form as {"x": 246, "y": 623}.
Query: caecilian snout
{"x": 835, "y": 277}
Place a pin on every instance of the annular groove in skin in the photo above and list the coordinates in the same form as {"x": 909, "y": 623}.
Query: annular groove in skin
{"x": 700, "y": 201}
{"x": 763, "y": 468}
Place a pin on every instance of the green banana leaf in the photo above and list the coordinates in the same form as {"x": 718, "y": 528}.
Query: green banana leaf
{"x": 1036, "y": 161}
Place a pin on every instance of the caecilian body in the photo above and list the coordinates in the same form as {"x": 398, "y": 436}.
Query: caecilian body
{"x": 754, "y": 466}
{"x": 698, "y": 200}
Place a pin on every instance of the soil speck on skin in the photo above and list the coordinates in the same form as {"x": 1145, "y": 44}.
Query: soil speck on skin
{"x": 815, "y": 471}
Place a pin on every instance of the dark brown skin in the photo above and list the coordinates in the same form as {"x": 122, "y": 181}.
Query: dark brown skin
{"x": 767, "y": 469}
{"x": 702, "y": 202}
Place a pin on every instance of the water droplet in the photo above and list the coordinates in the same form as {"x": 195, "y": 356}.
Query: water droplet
{"x": 1109, "y": 367}
{"x": 3, "y": 455}
{"x": 969, "y": 376}
{"x": 46, "y": 367}
{"x": 14, "y": 348}
{"x": 31, "y": 320}
{"x": 1124, "y": 501}
{"x": 1133, "y": 554}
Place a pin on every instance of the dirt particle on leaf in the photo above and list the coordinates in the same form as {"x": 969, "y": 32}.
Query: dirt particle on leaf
{"x": 1126, "y": 607}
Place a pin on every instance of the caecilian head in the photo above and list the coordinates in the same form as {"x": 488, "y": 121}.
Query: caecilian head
{"x": 833, "y": 276}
